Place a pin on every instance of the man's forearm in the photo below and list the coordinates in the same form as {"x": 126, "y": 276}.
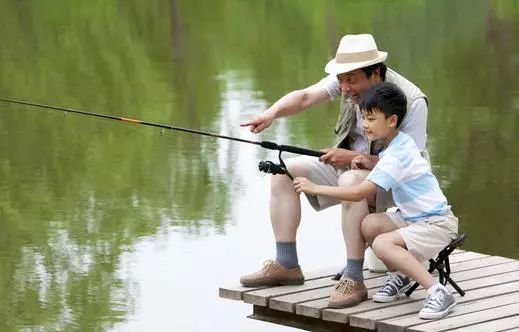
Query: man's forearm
{"x": 298, "y": 101}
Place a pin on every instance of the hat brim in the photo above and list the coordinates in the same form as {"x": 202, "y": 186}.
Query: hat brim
{"x": 339, "y": 68}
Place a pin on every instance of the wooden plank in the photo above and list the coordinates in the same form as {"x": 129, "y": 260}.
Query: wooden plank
{"x": 477, "y": 299}
{"x": 466, "y": 256}
{"x": 503, "y": 324}
{"x": 262, "y": 296}
{"x": 236, "y": 291}
{"x": 314, "y": 308}
{"x": 288, "y": 302}
{"x": 402, "y": 323}
{"x": 478, "y": 263}
{"x": 343, "y": 315}
{"x": 369, "y": 319}
{"x": 304, "y": 323}
{"x": 316, "y": 301}
{"x": 468, "y": 319}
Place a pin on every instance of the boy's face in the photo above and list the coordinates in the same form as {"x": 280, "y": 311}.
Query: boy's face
{"x": 377, "y": 126}
{"x": 355, "y": 82}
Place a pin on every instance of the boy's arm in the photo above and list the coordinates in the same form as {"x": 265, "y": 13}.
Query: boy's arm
{"x": 352, "y": 194}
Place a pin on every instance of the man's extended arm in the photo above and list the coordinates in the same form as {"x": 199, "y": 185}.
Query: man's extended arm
{"x": 290, "y": 104}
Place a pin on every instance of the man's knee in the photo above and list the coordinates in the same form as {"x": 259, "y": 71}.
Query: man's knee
{"x": 297, "y": 167}
{"x": 370, "y": 228}
{"x": 352, "y": 177}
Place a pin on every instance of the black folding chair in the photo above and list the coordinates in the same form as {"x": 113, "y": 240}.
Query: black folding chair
{"x": 441, "y": 263}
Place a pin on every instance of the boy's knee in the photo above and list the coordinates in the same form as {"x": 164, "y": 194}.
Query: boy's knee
{"x": 372, "y": 226}
{"x": 380, "y": 244}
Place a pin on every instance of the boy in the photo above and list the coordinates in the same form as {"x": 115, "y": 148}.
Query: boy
{"x": 423, "y": 224}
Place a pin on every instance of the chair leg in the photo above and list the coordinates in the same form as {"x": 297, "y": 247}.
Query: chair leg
{"x": 455, "y": 285}
{"x": 442, "y": 265}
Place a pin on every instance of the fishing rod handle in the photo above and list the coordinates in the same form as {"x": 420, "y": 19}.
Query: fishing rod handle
{"x": 292, "y": 149}
{"x": 303, "y": 151}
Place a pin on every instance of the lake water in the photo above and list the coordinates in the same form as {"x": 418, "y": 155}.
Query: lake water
{"x": 107, "y": 226}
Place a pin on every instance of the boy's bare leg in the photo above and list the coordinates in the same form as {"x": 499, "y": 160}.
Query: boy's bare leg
{"x": 391, "y": 249}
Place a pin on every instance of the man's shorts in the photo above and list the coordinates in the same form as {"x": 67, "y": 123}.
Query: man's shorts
{"x": 426, "y": 238}
{"x": 319, "y": 173}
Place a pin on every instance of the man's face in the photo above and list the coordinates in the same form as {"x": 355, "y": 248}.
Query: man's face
{"x": 355, "y": 82}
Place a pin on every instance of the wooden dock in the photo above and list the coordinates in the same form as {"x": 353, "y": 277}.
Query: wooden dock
{"x": 491, "y": 302}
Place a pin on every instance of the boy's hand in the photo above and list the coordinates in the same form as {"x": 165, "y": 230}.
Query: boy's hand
{"x": 303, "y": 185}
{"x": 361, "y": 162}
{"x": 259, "y": 123}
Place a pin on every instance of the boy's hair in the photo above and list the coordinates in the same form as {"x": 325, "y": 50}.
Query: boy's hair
{"x": 370, "y": 69}
{"x": 387, "y": 98}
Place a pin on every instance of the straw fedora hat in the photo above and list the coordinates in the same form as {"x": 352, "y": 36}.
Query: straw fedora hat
{"x": 354, "y": 52}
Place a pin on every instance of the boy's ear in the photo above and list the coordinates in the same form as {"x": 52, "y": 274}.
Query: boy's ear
{"x": 393, "y": 120}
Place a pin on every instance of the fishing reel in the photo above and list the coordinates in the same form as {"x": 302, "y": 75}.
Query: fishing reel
{"x": 270, "y": 167}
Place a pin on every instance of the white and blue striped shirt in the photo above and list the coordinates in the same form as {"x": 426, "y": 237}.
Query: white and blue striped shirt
{"x": 402, "y": 169}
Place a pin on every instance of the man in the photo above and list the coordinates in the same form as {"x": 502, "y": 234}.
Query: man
{"x": 357, "y": 66}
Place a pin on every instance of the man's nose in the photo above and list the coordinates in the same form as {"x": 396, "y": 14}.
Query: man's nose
{"x": 345, "y": 87}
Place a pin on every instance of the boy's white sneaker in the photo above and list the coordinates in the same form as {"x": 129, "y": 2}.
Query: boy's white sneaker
{"x": 437, "y": 304}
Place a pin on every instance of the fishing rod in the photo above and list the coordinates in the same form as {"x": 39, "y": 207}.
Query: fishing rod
{"x": 264, "y": 166}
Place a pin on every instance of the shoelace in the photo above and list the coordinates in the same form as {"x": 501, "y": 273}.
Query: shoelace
{"x": 268, "y": 264}
{"x": 345, "y": 286}
{"x": 434, "y": 301}
{"x": 393, "y": 283}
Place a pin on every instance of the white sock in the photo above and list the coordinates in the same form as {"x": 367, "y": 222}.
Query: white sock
{"x": 431, "y": 289}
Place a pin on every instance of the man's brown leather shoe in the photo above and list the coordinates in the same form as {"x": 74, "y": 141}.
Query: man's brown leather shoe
{"x": 348, "y": 293}
{"x": 273, "y": 274}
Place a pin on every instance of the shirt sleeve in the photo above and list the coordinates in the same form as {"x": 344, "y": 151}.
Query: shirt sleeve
{"x": 331, "y": 84}
{"x": 386, "y": 173}
{"x": 415, "y": 123}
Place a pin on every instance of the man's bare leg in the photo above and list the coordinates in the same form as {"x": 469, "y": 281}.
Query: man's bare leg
{"x": 285, "y": 212}
{"x": 352, "y": 215}
{"x": 285, "y": 208}
{"x": 285, "y": 216}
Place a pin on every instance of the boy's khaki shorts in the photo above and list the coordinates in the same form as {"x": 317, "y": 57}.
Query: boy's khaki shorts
{"x": 426, "y": 238}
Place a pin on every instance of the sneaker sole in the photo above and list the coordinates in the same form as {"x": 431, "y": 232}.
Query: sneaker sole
{"x": 388, "y": 299}
{"x": 437, "y": 315}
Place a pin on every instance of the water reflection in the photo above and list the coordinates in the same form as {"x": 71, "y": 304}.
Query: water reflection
{"x": 107, "y": 225}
